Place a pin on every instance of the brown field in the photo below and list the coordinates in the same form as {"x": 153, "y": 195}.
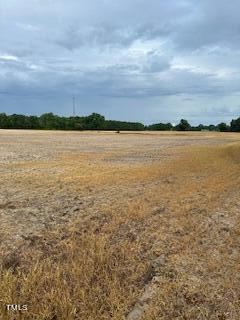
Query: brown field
{"x": 99, "y": 225}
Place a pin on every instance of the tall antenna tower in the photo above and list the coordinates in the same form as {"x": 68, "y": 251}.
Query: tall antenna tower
{"x": 74, "y": 106}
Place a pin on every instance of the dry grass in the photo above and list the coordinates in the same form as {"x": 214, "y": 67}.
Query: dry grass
{"x": 97, "y": 265}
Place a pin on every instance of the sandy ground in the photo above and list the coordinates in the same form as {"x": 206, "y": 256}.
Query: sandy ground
{"x": 19, "y": 145}
{"x": 180, "y": 214}
{"x": 35, "y": 192}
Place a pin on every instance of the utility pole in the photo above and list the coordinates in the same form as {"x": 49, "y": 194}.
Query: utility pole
{"x": 74, "y": 108}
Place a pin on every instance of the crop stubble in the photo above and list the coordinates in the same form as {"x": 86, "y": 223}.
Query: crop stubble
{"x": 84, "y": 217}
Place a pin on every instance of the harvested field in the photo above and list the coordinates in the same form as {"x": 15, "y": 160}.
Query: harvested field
{"x": 99, "y": 225}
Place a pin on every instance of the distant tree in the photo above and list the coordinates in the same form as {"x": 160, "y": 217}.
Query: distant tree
{"x": 212, "y": 127}
{"x": 48, "y": 121}
{"x": 201, "y": 127}
{"x": 4, "y": 121}
{"x": 223, "y": 127}
{"x": 75, "y": 123}
{"x": 160, "y": 127}
{"x": 235, "y": 125}
{"x": 32, "y": 122}
{"x": 183, "y": 125}
{"x": 95, "y": 121}
{"x": 17, "y": 121}
{"x": 123, "y": 126}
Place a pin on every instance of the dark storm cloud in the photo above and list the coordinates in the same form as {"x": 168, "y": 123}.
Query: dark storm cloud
{"x": 140, "y": 58}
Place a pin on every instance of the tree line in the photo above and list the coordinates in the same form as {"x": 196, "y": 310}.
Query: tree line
{"x": 95, "y": 121}
{"x": 50, "y": 121}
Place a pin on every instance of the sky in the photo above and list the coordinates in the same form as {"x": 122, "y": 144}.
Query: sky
{"x": 137, "y": 60}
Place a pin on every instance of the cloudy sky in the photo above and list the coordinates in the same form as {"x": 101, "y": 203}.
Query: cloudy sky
{"x": 143, "y": 60}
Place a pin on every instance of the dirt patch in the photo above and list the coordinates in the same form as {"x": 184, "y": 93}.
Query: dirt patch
{"x": 93, "y": 214}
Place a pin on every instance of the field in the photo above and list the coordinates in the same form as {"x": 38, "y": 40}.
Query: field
{"x": 100, "y": 225}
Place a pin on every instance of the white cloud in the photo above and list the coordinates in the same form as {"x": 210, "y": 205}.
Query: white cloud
{"x": 8, "y": 57}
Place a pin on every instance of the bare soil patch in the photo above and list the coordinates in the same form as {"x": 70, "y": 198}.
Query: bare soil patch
{"x": 85, "y": 216}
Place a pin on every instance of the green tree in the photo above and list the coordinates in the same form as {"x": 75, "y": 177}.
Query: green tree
{"x": 4, "y": 121}
{"x": 183, "y": 125}
{"x": 32, "y": 122}
{"x": 235, "y": 125}
{"x": 212, "y": 127}
{"x": 223, "y": 127}
{"x": 17, "y": 121}
{"x": 160, "y": 127}
{"x": 48, "y": 121}
{"x": 123, "y": 126}
{"x": 95, "y": 121}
